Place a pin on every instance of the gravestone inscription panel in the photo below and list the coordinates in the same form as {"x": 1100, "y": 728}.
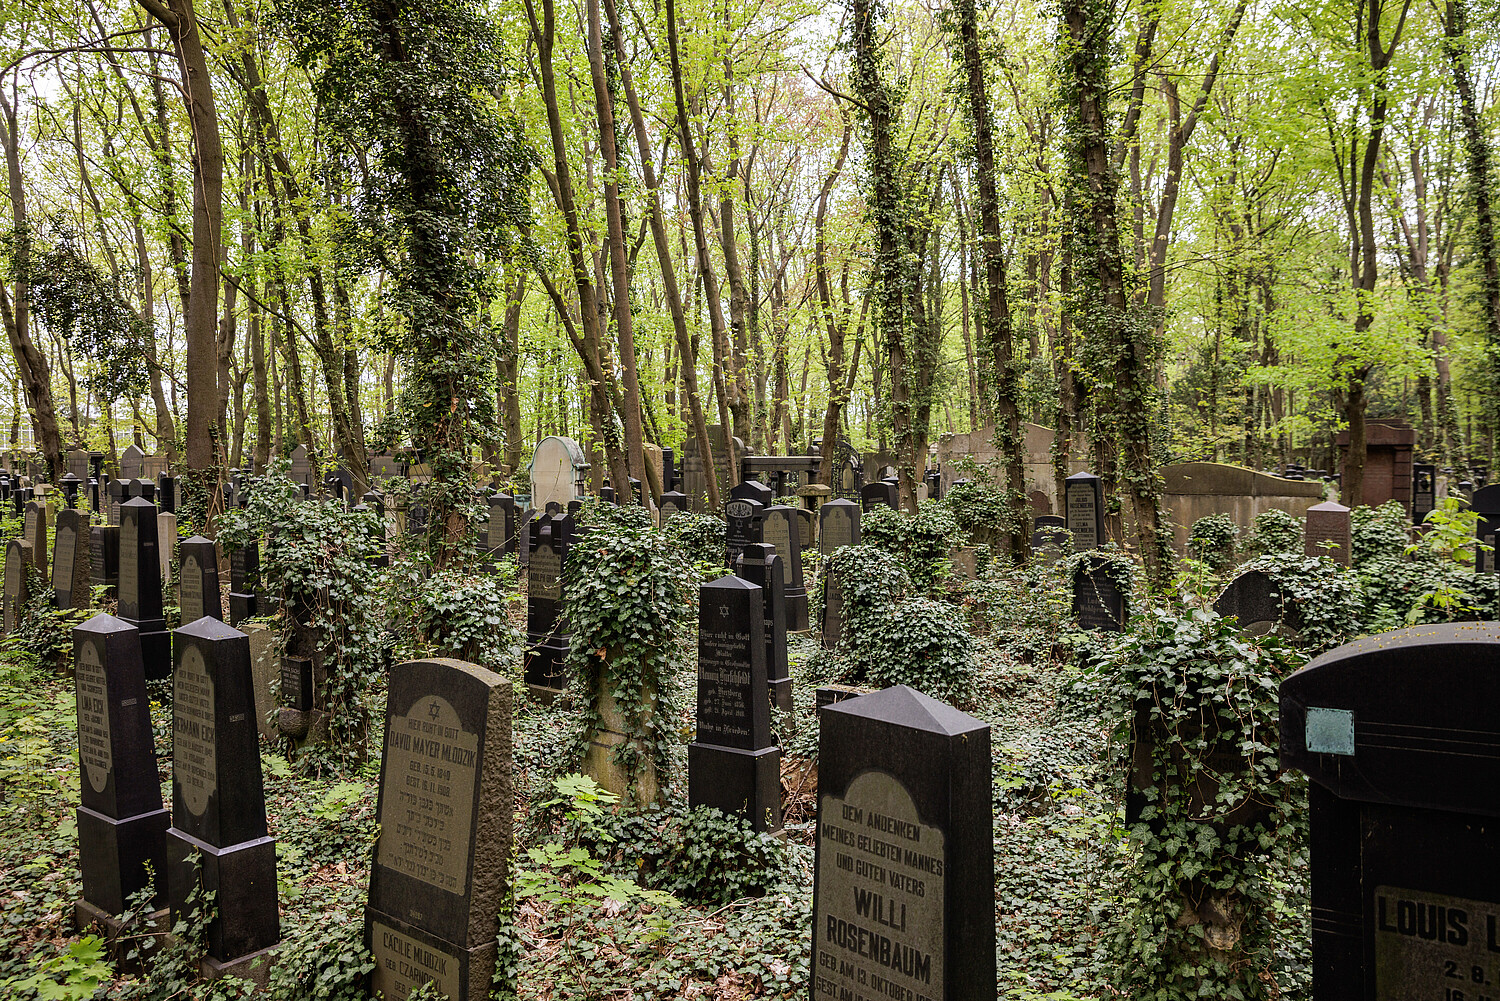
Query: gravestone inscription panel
{"x": 761, "y": 565}
{"x": 904, "y": 884}
{"x": 17, "y": 581}
{"x": 838, "y": 525}
{"x": 1084, "y": 504}
{"x": 547, "y": 644}
{"x": 198, "y": 580}
{"x": 1098, "y": 602}
{"x": 104, "y": 557}
{"x": 442, "y": 860}
{"x": 743, "y": 526}
{"x": 1399, "y": 737}
{"x": 71, "y": 560}
{"x": 782, "y": 528}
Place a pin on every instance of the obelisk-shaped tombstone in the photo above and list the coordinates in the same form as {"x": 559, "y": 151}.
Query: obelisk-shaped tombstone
{"x": 904, "y": 882}
{"x": 732, "y": 763}
{"x": 17, "y": 581}
{"x": 140, "y": 586}
{"x": 122, "y": 826}
{"x": 442, "y": 861}
{"x": 198, "y": 580}
{"x": 34, "y": 531}
{"x": 838, "y": 525}
{"x": 781, "y": 527}
{"x": 761, "y": 565}
{"x": 72, "y": 561}
{"x": 218, "y": 801}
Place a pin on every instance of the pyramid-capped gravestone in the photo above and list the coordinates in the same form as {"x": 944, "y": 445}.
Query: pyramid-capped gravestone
{"x": 904, "y": 884}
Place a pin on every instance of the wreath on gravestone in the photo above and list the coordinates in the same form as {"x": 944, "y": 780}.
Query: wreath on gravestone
{"x": 1210, "y": 817}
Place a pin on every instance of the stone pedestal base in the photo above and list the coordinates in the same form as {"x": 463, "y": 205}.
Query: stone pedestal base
{"x": 736, "y": 781}
{"x": 544, "y": 662}
{"x": 119, "y": 941}
{"x": 113, "y": 856}
{"x": 242, "y": 606}
{"x": 256, "y": 967}
{"x": 599, "y": 764}
{"x": 242, "y": 878}
{"x": 407, "y": 957}
{"x": 796, "y": 610}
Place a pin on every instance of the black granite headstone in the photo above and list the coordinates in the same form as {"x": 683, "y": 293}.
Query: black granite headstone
{"x": 743, "y": 526}
{"x": 880, "y": 492}
{"x": 672, "y": 502}
{"x": 753, "y": 490}
{"x": 1423, "y": 490}
{"x": 1399, "y": 736}
{"x": 838, "y": 525}
{"x": 34, "y": 531}
{"x": 122, "y": 825}
{"x": 104, "y": 557}
{"x": 1097, "y": 602}
{"x": 1049, "y": 537}
{"x": 1084, "y": 506}
{"x": 71, "y": 560}
{"x": 442, "y": 862}
{"x": 297, "y": 683}
{"x": 732, "y": 763}
{"x": 547, "y": 645}
{"x": 219, "y": 841}
{"x": 244, "y": 582}
{"x": 1255, "y": 599}
{"x": 904, "y": 884}
{"x": 17, "y": 581}
{"x": 782, "y": 528}
{"x": 501, "y": 534}
{"x": 198, "y": 579}
{"x": 140, "y": 586}
{"x": 761, "y": 565}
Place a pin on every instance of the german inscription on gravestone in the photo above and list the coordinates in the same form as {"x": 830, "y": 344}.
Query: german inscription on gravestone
{"x": 129, "y": 585}
{"x": 93, "y": 717}
{"x": 194, "y": 749}
{"x": 427, "y": 812}
{"x": 1429, "y": 945}
{"x": 724, "y": 689}
{"x": 191, "y": 597}
{"x": 546, "y": 573}
{"x": 406, "y": 964}
{"x": 778, "y": 532}
{"x": 880, "y": 923}
{"x": 63, "y": 556}
{"x": 1083, "y": 516}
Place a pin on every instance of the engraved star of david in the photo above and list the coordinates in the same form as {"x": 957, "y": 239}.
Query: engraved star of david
{"x": 433, "y": 711}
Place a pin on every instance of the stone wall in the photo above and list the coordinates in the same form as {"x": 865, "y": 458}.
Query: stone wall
{"x": 979, "y": 444}
{"x": 1194, "y": 490}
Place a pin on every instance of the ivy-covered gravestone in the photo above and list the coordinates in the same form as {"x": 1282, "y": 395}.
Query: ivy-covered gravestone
{"x": 1099, "y": 600}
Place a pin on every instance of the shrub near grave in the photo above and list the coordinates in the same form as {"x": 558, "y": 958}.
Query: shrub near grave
{"x": 1212, "y": 541}
{"x": 1213, "y": 824}
{"x": 1274, "y": 531}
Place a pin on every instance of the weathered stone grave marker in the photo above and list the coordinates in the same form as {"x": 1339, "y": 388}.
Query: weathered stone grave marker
{"x": 1328, "y": 522}
{"x": 1399, "y": 737}
{"x": 878, "y": 493}
{"x": 547, "y": 645}
{"x": 301, "y": 471}
{"x": 558, "y": 471}
{"x": 1084, "y": 505}
{"x": 442, "y": 861}
{"x": 71, "y": 560}
{"x": 838, "y": 525}
{"x": 219, "y": 841}
{"x": 742, "y": 518}
{"x": 17, "y": 581}
{"x": 104, "y": 557}
{"x": 34, "y": 531}
{"x": 904, "y": 886}
{"x": 140, "y": 586}
{"x": 198, "y": 580}
{"x": 672, "y": 502}
{"x": 761, "y": 565}
{"x": 782, "y": 528}
{"x": 1423, "y": 490}
{"x": 500, "y": 534}
{"x": 732, "y": 763}
{"x": 1098, "y": 602}
{"x": 122, "y": 825}
{"x": 132, "y": 463}
{"x": 1049, "y": 538}
{"x": 1256, "y": 600}
{"x": 244, "y": 582}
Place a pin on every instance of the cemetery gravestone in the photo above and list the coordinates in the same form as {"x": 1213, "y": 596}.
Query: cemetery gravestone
{"x": 301, "y": 471}
{"x": 387, "y": 467}
{"x": 743, "y": 518}
{"x": 880, "y": 492}
{"x": 1098, "y": 602}
{"x": 1084, "y": 505}
{"x": 838, "y": 525}
{"x": 122, "y": 825}
{"x": 548, "y": 646}
{"x": 557, "y": 472}
{"x": 1328, "y": 523}
{"x": 1423, "y": 490}
{"x": 17, "y": 581}
{"x": 104, "y": 557}
{"x": 140, "y": 586}
{"x": 732, "y": 763}
{"x": 132, "y": 463}
{"x": 442, "y": 860}
{"x": 501, "y": 537}
{"x": 761, "y": 565}
{"x": 782, "y": 528}
{"x": 78, "y": 464}
{"x": 71, "y": 560}
{"x": 1049, "y": 537}
{"x": 523, "y": 540}
{"x": 904, "y": 887}
{"x": 219, "y": 841}
{"x": 1255, "y": 599}
{"x": 117, "y": 496}
{"x": 244, "y": 582}
{"x": 34, "y": 530}
{"x": 198, "y": 580}
{"x": 672, "y": 502}
{"x": 1399, "y": 737}
{"x": 1485, "y": 502}
{"x": 833, "y": 610}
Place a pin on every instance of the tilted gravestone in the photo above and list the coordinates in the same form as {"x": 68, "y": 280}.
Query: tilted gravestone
{"x": 17, "y": 581}
{"x": 761, "y": 565}
{"x": 140, "y": 586}
{"x": 782, "y": 528}
{"x": 1399, "y": 736}
{"x": 904, "y": 885}
{"x": 122, "y": 825}
{"x": 742, "y": 518}
{"x": 198, "y": 580}
{"x": 219, "y": 841}
{"x": 838, "y": 525}
{"x": 442, "y": 860}
{"x": 34, "y": 531}
{"x": 880, "y": 492}
{"x": 1098, "y": 602}
{"x": 71, "y": 560}
{"x": 833, "y": 609}
{"x": 1328, "y": 523}
{"x": 547, "y": 647}
{"x": 732, "y": 763}
{"x": 1084, "y": 505}
{"x": 104, "y": 557}
{"x": 1259, "y": 604}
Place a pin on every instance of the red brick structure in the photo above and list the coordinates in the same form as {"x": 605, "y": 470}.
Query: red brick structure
{"x": 1388, "y": 448}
